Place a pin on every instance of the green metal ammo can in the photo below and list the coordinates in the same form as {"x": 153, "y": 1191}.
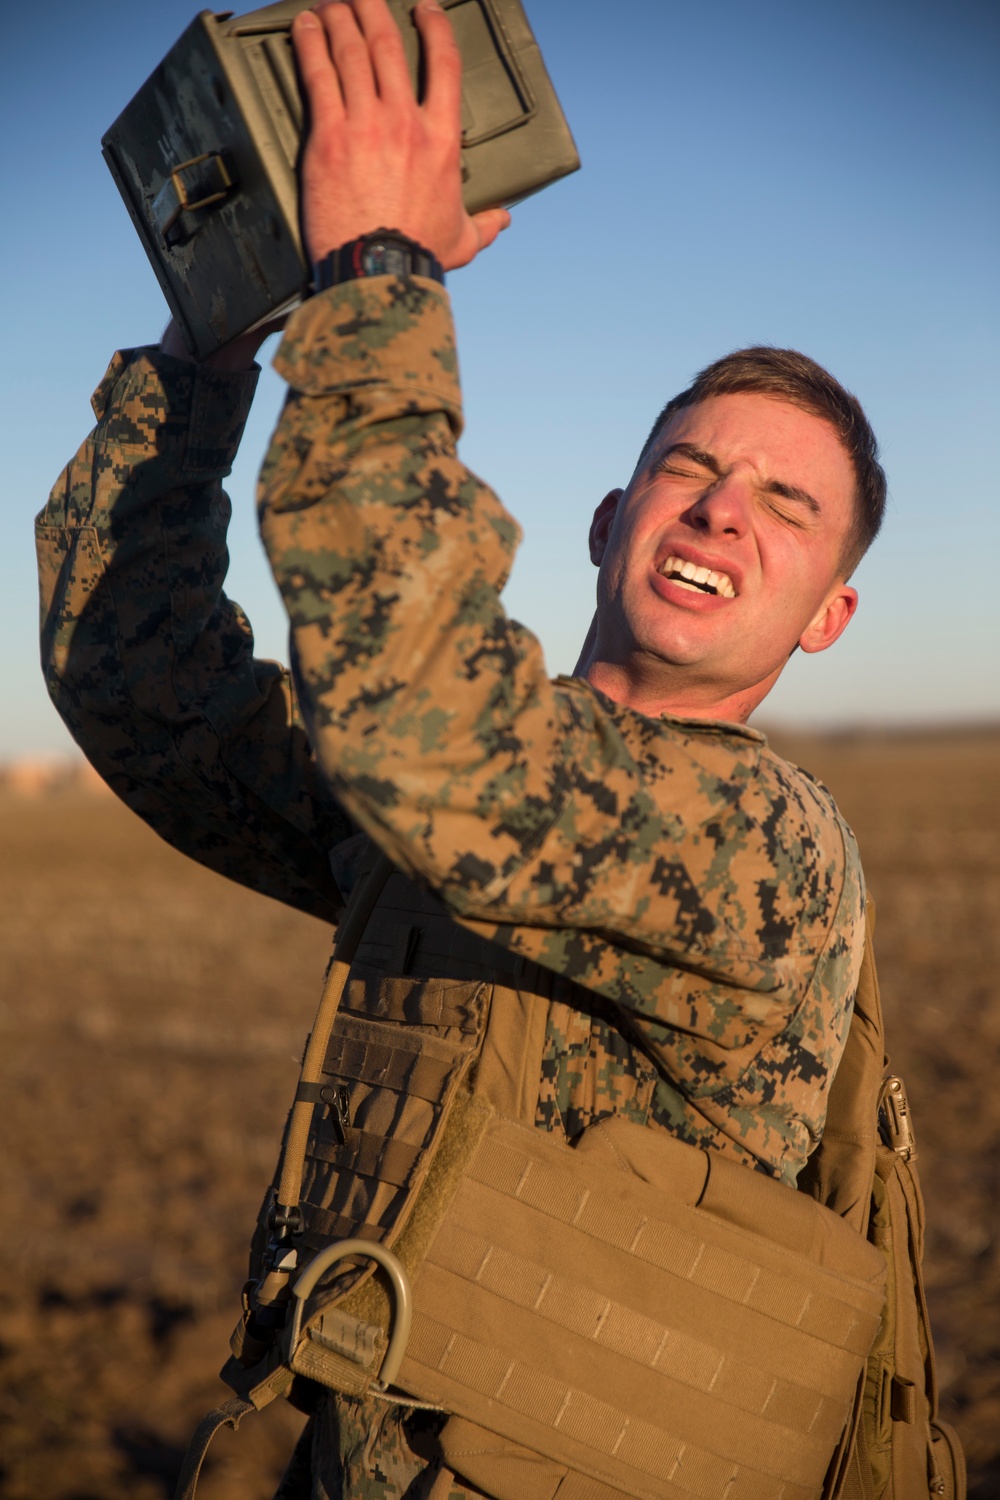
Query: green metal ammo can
{"x": 205, "y": 154}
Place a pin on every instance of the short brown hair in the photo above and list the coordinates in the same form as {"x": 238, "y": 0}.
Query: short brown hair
{"x": 790, "y": 376}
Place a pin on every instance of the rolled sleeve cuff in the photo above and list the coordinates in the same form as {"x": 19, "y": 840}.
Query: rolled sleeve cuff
{"x": 158, "y": 403}
{"x": 377, "y": 331}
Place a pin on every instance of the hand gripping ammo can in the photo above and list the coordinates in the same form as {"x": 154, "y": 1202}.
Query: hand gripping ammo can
{"x": 205, "y": 154}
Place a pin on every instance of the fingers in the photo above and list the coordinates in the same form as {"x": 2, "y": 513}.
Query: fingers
{"x": 319, "y": 78}
{"x": 373, "y": 155}
{"x": 351, "y": 58}
{"x": 443, "y": 94}
{"x": 366, "y": 49}
{"x": 385, "y": 46}
{"x": 363, "y": 43}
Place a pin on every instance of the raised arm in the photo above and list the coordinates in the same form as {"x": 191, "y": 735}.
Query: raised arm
{"x": 149, "y": 663}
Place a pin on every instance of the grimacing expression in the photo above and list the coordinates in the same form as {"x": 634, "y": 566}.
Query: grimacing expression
{"x": 725, "y": 551}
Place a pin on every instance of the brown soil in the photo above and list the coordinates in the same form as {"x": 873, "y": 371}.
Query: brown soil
{"x": 152, "y": 1016}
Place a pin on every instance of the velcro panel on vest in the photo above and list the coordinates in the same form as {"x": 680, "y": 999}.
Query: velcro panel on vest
{"x": 603, "y": 1319}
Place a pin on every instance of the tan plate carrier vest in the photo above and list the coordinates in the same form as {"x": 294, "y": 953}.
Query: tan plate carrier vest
{"x": 629, "y": 1316}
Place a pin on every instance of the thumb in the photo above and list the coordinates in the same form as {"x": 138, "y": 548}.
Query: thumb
{"x": 477, "y": 232}
{"x": 489, "y": 224}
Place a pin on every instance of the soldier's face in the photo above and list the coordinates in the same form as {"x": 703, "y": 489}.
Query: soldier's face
{"x": 724, "y": 552}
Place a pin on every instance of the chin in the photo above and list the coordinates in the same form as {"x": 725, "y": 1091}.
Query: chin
{"x": 675, "y": 649}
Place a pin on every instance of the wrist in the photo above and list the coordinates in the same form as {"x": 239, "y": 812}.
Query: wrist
{"x": 382, "y": 252}
{"x": 239, "y": 355}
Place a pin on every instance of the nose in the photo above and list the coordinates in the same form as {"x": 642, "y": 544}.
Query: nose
{"x": 723, "y": 507}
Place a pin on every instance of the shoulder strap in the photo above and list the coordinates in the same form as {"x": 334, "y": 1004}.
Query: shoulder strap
{"x": 841, "y": 1170}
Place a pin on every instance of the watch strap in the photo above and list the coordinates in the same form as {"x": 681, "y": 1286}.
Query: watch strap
{"x": 384, "y": 252}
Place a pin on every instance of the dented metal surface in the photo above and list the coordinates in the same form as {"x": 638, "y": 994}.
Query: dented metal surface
{"x": 204, "y": 155}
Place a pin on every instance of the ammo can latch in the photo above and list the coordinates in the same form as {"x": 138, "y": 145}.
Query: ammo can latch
{"x": 197, "y": 183}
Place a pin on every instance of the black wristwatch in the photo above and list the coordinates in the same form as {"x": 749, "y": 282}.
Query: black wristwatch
{"x": 384, "y": 252}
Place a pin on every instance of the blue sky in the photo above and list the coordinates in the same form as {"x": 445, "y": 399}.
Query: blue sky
{"x": 784, "y": 172}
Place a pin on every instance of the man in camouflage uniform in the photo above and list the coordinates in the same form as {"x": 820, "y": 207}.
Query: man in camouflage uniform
{"x": 697, "y": 900}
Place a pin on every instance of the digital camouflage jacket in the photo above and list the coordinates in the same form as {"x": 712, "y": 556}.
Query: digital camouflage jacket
{"x": 706, "y": 893}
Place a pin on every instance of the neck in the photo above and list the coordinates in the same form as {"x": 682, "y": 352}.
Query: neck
{"x": 653, "y": 687}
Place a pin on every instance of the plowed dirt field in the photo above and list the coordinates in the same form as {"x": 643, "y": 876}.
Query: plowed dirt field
{"x": 151, "y": 1018}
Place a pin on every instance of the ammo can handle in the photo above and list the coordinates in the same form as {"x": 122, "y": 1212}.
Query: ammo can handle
{"x": 278, "y": 19}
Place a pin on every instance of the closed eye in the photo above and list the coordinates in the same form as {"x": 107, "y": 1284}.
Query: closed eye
{"x": 688, "y": 462}
{"x": 785, "y": 513}
{"x": 680, "y": 473}
{"x": 799, "y": 507}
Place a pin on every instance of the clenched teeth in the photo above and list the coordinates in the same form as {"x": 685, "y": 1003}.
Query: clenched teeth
{"x": 701, "y": 580}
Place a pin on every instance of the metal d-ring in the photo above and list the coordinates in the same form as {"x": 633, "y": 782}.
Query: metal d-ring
{"x": 402, "y": 1300}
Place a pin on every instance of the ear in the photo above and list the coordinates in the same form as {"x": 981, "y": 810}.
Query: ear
{"x": 830, "y": 622}
{"x": 600, "y": 526}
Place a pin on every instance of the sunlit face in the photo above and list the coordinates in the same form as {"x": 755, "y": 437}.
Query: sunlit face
{"x": 752, "y": 499}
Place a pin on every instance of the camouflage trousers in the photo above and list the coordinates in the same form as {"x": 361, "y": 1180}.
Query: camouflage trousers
{"x": 361, "y": 1449}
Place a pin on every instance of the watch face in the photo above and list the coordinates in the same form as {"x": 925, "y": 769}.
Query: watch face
{"x": 382, "y": 258}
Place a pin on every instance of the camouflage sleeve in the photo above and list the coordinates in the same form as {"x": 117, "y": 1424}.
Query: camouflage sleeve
{"x": 430, "y": 710}
{"x": 150, "y": 664}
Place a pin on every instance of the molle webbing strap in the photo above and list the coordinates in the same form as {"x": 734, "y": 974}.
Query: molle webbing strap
{"x": 401, "y": 1075}
{"x": 372, "y": 1156}
{"x": 352, "y": 927}
{"x": 370, "y": 1114}
{"x": 405, "y": 1069}
{"x": 632, "y": 1330}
